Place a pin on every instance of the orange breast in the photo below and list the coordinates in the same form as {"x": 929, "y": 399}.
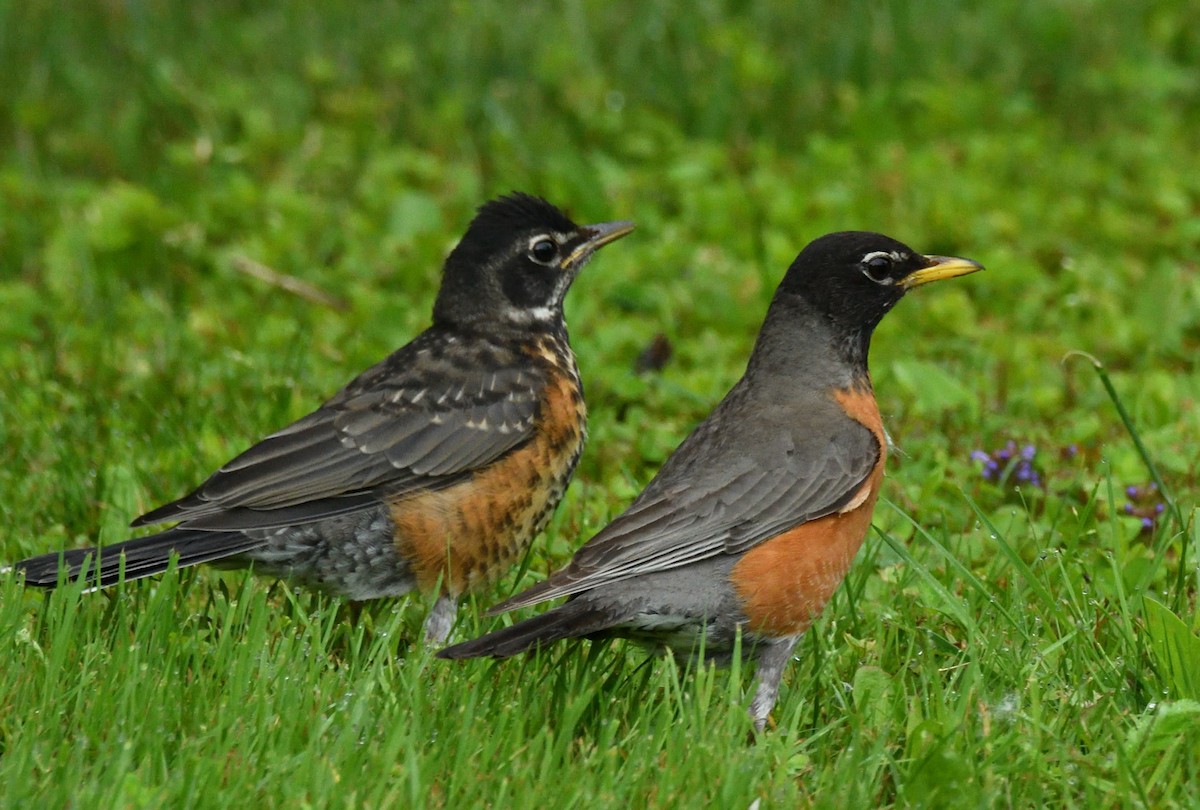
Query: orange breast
{"x": 469, "y": 533}
{"x": 785, "y": 582}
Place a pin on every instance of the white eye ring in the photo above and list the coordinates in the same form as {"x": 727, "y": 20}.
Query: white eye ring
{"x": 878, "y": 265}
{"x": 543, "y": 249}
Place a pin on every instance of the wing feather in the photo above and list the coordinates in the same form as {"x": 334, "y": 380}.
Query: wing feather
{"x": 400, "y": 425}
{"x": 732, "y": 501}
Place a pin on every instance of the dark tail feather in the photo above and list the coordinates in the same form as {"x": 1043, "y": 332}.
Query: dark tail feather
{"x": 143, "y": 557}
{"x": 574, "y": 619}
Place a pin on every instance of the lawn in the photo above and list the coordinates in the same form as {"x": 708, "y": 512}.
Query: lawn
{"x": 211, "y": 217}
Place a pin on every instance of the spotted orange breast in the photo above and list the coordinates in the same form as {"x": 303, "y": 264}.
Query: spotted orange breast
{"x": 785, "y": 582}
{"x": 469, "y": 533}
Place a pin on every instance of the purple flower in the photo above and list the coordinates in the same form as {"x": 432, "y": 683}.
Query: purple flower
{"x": 1145, "y": 505}
{"x": 1009, "y": 465}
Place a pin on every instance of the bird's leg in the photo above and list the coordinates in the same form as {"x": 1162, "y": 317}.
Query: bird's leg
{"x": 772, "y": 659}
{"x": 440, "y": 620}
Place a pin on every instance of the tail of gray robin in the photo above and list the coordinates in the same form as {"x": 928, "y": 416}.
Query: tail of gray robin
{"x": 134, "y": 559}
{"x": 572, "y": 620}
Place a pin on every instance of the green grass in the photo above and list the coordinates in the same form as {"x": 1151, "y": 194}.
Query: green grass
{"x": 992, "y": 646}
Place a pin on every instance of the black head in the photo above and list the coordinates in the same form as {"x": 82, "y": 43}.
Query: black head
{"x": 855, "y": 277}
{"x": 516, "y": 262}
{"x": 849, "y": 281}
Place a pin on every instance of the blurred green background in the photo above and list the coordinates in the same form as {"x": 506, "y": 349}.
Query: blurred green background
{"x": 154, "y": 155}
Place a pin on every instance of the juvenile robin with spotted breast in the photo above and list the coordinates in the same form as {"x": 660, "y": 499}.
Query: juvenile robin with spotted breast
{"x": 752, "y": 523}
{"x": 434, "y": 469}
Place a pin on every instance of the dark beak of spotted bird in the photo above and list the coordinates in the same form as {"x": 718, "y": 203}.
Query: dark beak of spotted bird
{"x": 598, "y": 236}
{"x": 940, "y": 267}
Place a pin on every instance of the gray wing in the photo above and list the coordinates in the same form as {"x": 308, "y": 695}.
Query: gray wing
{"x": 401, "y": 425}
{"x": 716, "y": 498}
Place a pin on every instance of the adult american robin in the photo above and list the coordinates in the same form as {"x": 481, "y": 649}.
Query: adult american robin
{"x": 753, "y": 521}
{"x": 434, "y": 468}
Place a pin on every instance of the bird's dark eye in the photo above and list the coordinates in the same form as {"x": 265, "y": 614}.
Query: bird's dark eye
{"x": 543, "y": 251}
{"x": 878, "y": 268}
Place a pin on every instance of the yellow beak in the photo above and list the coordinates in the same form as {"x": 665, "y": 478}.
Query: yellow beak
{"x": 940, "y": 267}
